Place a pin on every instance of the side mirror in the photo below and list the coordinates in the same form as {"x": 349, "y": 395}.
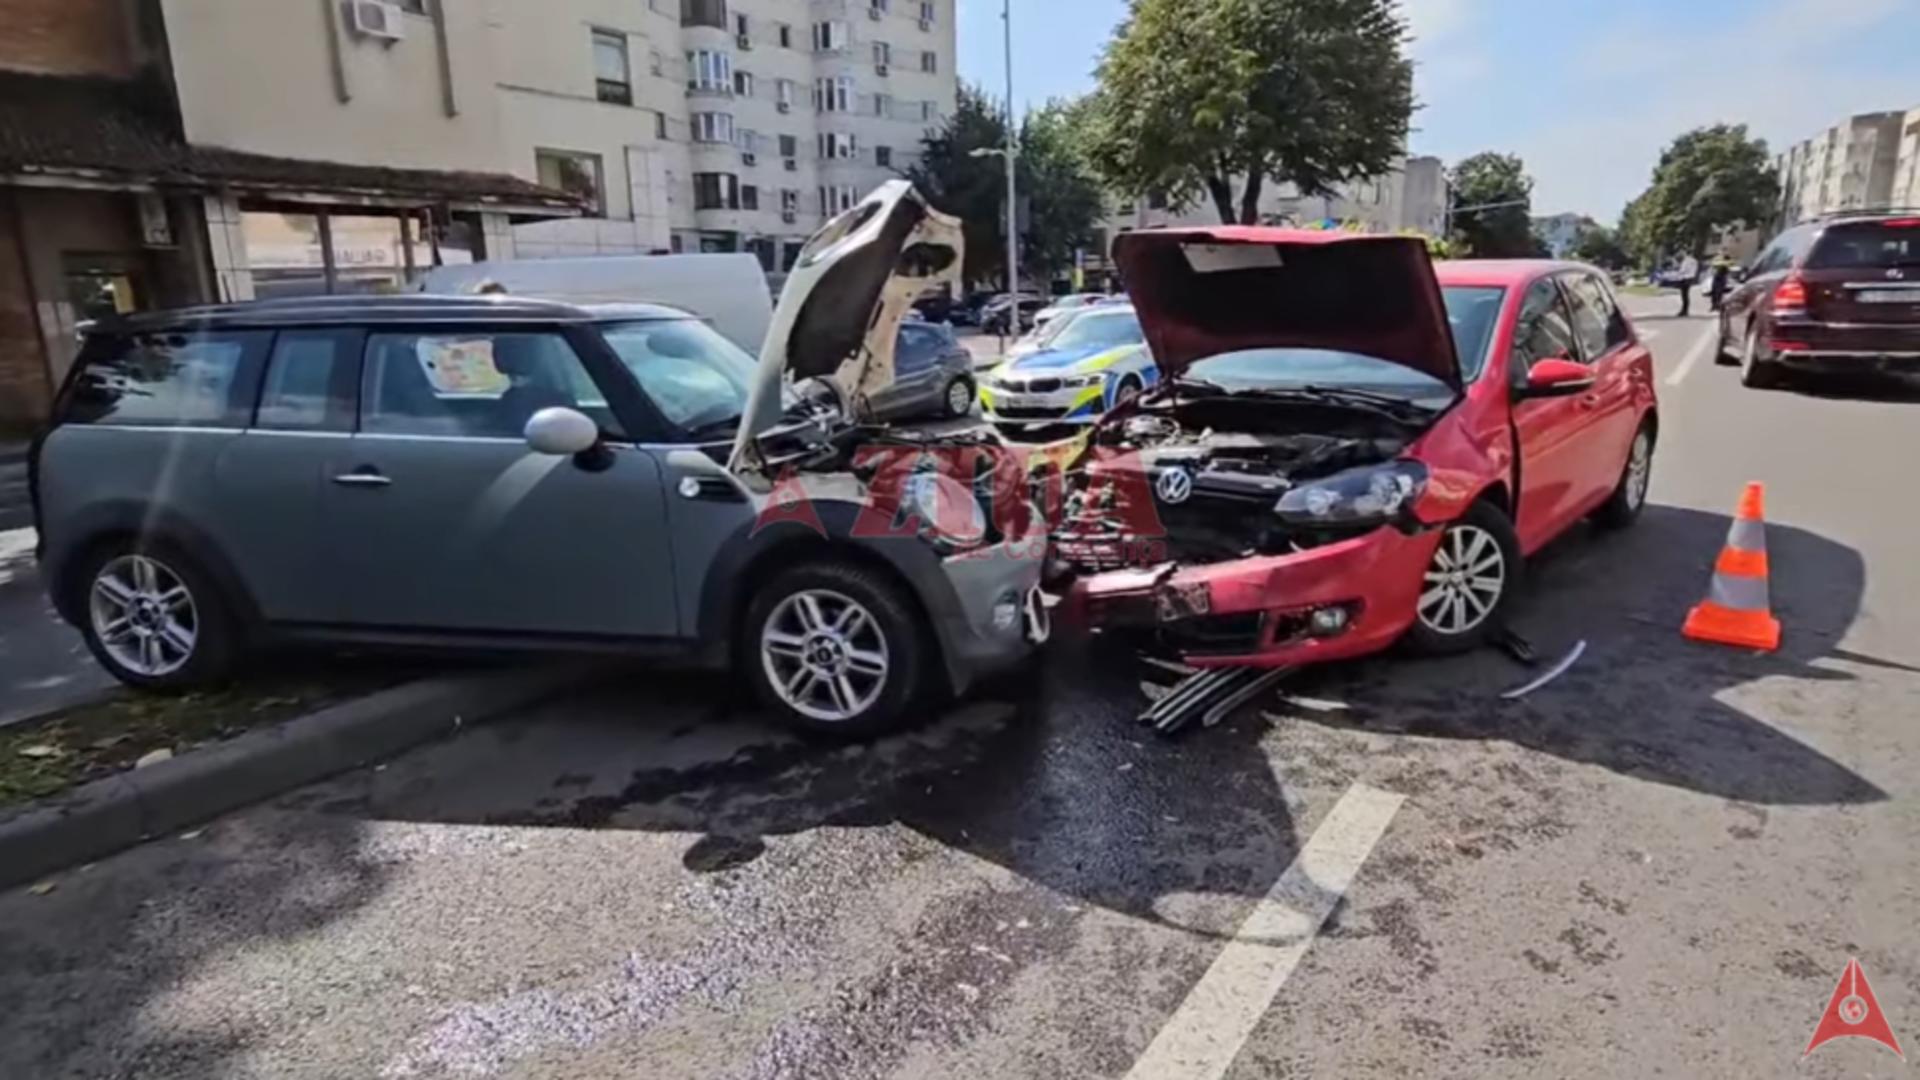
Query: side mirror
{"x": 1555, "y": 377}
{"x": 561, "y": 432}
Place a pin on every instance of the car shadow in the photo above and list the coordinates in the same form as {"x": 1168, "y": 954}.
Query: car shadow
{"x": 1643, "y": 701}
{"x": 1885, "y": 389}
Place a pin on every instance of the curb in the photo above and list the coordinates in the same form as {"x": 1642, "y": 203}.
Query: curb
{"x": 115, "y": 812}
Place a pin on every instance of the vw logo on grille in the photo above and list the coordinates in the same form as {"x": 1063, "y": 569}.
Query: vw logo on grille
{"x": 1896, "y": 274}
{"x": 1174, "y": 486}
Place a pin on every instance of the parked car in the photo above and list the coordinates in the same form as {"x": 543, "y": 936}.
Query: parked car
{"x": 1063, "y": 304}
{"x": 1837, "y": 295}
{"x": 1351, "y": 446}
{"x": 1007, "y": 317}
{"x": 932, "y": 376}
{"x": 1040, "y": 336}
{"x": 499, "y": 472}
{"x": 1096, "y": 362}
{"x": 730, "y": 291}
{"x": 967, "y": 311}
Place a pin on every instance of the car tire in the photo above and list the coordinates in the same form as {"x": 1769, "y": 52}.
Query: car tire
{"x": 154, "y": 618}
{"x": 1629, "y": 497}
{"x": 1454, "y": 614}
{"x": 1723, "y": 355}
{"x": 1128, "y": 389}
{"x": 827, "y": 673}
{"x": 1755, "y": 373}
{"x": 957, "y": 399}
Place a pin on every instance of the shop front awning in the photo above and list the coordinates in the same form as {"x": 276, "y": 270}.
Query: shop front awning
{"x": 105, "y": 133}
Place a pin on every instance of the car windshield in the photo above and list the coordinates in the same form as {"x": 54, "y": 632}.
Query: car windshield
{"x": 696, "y": 378}
{"x": 1472, "y": 311}
{"x": 1296, "y": 369}
{"x": 1869, "y": 246}
{"x": 1100, "y": 330}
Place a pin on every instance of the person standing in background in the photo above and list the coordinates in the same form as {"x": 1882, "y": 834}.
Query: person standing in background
{"x": 1722, "y": 272}
{"x": 1685, "y": 276}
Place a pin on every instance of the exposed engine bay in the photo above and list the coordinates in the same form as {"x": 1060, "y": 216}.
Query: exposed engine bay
{"x": 1203, "y": 481}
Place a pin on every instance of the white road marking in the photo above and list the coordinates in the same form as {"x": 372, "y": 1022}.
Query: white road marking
{"x": 1206, "y": 1033}
{"x": 1707, "y": 342}
{"x": 1649, "y": 335}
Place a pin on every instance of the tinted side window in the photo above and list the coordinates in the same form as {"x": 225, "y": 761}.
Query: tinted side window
{"x": 474, "y": 385}
{"x": 1545, "y": 331}
{"x": 309, "y": 381}
{"x": 174, "y": 378}
{"x": 1597, "y": 321}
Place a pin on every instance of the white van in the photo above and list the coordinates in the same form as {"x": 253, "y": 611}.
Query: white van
{"x": 728, "y": 291}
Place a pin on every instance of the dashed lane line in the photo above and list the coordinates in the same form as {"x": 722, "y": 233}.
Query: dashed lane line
{"x": 1206, "y": 1033}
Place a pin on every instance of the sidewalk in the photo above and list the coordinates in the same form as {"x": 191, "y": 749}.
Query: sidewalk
{"x": 43, "y": 663}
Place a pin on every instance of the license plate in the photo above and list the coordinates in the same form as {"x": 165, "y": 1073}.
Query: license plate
{"x": 1890, "y": 296}
{"x": 1020, "y": 401}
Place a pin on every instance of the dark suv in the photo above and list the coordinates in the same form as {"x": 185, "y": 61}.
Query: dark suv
{"x": 1840, "y": 294}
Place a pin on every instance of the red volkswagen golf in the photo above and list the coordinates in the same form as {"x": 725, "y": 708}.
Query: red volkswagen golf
{"x": 1351, "y": 445}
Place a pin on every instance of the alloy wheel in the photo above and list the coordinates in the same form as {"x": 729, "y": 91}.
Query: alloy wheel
{"x": 144, "y": 615}
{"x": 1464, "y": 582}
{"x": 825, "y": 655}
{"x": 959, "y": 398}
{"x": 1639, "y": 470}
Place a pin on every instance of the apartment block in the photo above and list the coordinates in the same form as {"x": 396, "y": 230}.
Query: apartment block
{"x": 1855, "y": 164}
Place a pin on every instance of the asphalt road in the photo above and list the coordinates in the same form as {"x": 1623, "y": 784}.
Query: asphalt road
{"x": 1657, "y": 865}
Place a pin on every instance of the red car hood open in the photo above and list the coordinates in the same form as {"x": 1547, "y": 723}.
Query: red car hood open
{"x": 1204, "y": 292}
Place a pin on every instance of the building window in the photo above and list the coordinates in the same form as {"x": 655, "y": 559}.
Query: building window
{"x": 660, "y": 126}
{"x": 613, "y": 79}
{"x": 789, "y": 146}
{"x": 709, "y": 70}
{"x": 712, "y": 127}
{"x": 883, "y": 105}
{"x": 929, "y": 112}
{"x": 829, "y": 36}
{"x": 786, "y": 36}
{"x": 1156, "y": 201}
{"x": 790, "y": 201}
{"x": 783, "y": 92}
{"x": 741, "y": 27}
{"x": 412, "y": 7}
{"x": 716, "y": 191}
{"x": 749, "y": 197}
{"x": 835, "y": 145}
{"x": 704, "y": 13}
{"x": 926, "y": 11}
{"x": 882, "y": 54}
{"x": 930, "y": 62}
{"x": 743, "y": 84}
{"x": 833, "y": 95}
{"x": 883, "y": 156}
{"x": 576, "y": 174}
{"x": 837, "y": 198}
{"x": 878, "y": 5}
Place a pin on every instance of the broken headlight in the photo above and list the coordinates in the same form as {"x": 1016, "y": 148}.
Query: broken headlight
{"x": 1374, "y": 495}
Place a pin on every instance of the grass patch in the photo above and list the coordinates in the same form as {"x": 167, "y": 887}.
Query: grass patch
{"x": 48, "y": 755}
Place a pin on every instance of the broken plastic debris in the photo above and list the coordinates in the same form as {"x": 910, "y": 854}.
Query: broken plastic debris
{"x": 39, "y": 750}
{"x": 153, "y": 757}
{"x": 1552, "y": 673}
{"x": 191, "y": 834}
{"x": 42, "y": 888}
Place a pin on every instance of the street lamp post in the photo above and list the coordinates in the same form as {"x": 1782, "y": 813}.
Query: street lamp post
{"x": 1011, "y": 154}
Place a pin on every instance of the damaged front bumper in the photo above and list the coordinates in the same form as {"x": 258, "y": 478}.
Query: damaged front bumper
{"x": 1345, "y": 599}
{"x": 990, "y": 615}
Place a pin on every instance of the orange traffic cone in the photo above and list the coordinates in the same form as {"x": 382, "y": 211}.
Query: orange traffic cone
{"x": 1736, "y": 611}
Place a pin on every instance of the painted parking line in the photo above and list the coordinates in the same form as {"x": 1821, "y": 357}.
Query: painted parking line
{"x": 1206, "y": 1033}
{"x": 1709, "y": 339}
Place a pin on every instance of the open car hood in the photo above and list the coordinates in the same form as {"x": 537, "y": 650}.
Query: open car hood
{"x": 1204, "y": 292}
{"x": 839, "y": 316}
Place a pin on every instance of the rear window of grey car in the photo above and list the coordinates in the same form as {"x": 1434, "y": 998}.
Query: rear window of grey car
{"x": 176, "y": 378}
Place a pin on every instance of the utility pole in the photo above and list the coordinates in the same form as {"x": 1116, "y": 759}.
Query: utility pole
{"x": 1013, "y": 149}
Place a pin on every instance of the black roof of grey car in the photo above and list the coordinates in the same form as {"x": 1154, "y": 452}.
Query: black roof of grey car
{"x": 369, "y": 310}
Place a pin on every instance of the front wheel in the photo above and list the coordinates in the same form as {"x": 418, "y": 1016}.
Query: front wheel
{"x": 1467, "y": 585}
{"x": 154, "y": 620}
{"x": 835, "y": 650}
{"x": 958, "y": 399}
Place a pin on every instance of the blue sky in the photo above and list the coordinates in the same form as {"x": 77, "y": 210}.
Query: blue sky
{"x": 1588, "y": 98}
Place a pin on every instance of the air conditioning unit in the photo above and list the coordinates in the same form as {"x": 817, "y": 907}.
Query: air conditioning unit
{"x": 874, "y": 13}
{"x": 748, "y": 159}
{"x": 880, "y": 70}
{"x": 745, "y": 43}
{"x": 789, "y": 216}
{"x": 792, "y": 165}
{"x": 785, "y": 106}
{"x": 375, "y": 19}
{"x": 926, "y": 26}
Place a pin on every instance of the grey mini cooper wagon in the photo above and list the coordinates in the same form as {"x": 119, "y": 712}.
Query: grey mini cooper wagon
{"x": 507, "y": 473}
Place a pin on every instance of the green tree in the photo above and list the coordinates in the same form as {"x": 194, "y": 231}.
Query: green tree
{"x": 1064, "y": 201}
{"x": 1708, "y": 180}
{"x": 1196, "y": 95}
{"x": 1636, "y": 235}
{"x": 1600, "y": 246}
{"x": 1504, "y": 230}
{"x": 973, "y": 189}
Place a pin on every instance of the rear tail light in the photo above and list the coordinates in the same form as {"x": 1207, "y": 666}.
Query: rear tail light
{"x": 1902, "y": 223}
{"x": 1791, "y": 294}
{"x": 1780, "y": 346}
